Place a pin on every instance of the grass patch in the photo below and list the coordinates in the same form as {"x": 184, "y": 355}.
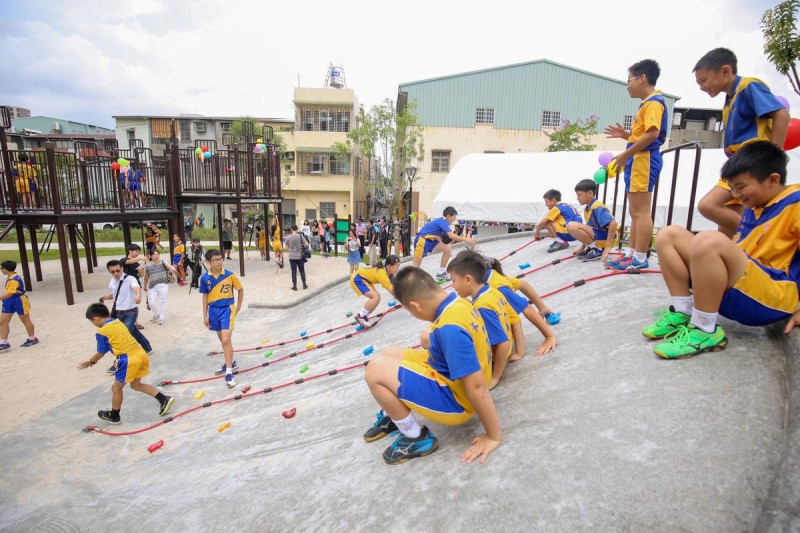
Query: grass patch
{"x": 47, "y": 255}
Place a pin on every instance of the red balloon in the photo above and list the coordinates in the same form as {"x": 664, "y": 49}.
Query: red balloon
{"x": 204, "y": 148}
{"x": 792, "y": 134}
{"x": 114, "y": 166}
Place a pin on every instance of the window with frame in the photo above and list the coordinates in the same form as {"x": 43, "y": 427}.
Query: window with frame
{"x": 628, "y": 123}
{"x": 440, "y": 161}
{"x": 315, "y": 165}
{"x": 551, "y": 119}
{"x": 226, "y": 126}
{"x": 339, "y": 166}
{"x": 484, "y": 115}
{"x": 186, "y": 130}
{"x": 327, "y": 209}
{"x": 131, "y": 134}
{"x": 323, "y": 119}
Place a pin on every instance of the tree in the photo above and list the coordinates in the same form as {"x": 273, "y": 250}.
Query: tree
{"x": 573, "y": 136}
{"x": 781, "y": 40}
{"x": 393, "y": 140}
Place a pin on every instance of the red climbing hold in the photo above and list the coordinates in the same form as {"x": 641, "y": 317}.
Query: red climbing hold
{"x": 156, "y": 445}
{"x": 290, "y": 413}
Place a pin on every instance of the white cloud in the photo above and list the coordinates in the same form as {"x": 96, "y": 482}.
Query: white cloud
{"x": 89, "y": 60}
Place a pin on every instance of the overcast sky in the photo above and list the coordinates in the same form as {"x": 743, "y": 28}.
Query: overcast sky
{"x": 88, "y": 60}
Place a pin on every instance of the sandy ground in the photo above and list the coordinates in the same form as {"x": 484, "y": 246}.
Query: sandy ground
{"x": 39, "y": 378}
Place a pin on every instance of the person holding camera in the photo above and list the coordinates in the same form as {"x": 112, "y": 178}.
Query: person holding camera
{"x": 298, "y": 254}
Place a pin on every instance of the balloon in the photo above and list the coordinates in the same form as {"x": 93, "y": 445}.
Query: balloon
{"x": 412, "y": 216}
{"x": 207, "y": 155}
{"x": 600, "y": 175}
{"x": 115, "y": 166}
{"x": 198, "y": 150}
{"x": 792, "y": 134}
{"x": 263, "y": 147}
{"x": 227, "y": 170}
{"x": 612, "y": 169}
{"x": 784, "y": 101}
{"x": 124, "y": 170}
{"x": 123, "y": 162}
{"x": 257, "y": 149}
{"x": 259, "y": 141}
{"x": 205, "y": 148}
{"x": 200, "y": 156}
{"x": 605, "y": 158}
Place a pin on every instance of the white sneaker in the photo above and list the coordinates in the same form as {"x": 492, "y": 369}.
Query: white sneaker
{"x": 230, "y": 381}
{"x": 161, "y": 321}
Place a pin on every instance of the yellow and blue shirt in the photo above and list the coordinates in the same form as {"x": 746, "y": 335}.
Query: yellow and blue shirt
{"x": 508, "y": 287}
{"x": 373, "y": 276}
{"x": 220, "y": 288}
{"x": 562, "y": 214}
{"x": 434, "y": 229}
{"x": 18, "y": 303}
{"x": 746, "y": 114}
{"x": 180, "y": 250}
{"x": 459, "y": 341}
{"x": 114, "y": 337}
{"x": 495, "y": 311}
{"x": 652, "y": 113}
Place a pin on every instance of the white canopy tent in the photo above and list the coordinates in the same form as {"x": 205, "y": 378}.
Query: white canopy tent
{"x": 509, "y": 187}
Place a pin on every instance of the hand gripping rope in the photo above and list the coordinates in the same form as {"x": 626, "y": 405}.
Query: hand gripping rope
{"x": 298, "y": 381}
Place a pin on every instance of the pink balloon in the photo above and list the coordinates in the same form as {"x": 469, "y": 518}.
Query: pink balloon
{"x": 605, "y": 158}
{"x": 784, "y": 101}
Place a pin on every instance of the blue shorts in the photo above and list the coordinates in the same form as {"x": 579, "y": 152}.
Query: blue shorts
{"x": 221, "y": 317}
{"x": 565, "y": 236}
{"x": 360, "y": 285}
{"x": 176, "y": 259}
{"x": 427, "y": 392}
{"x": 17, "y": 304}
{"x": 135, "y": 187}
{"x": 761, "y": 296}
{"x": 423, "y": 246}
{"x": 642, "y": 171}
{"x": 517, "y": 302}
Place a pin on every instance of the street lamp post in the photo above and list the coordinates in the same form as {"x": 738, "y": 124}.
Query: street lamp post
{"x": 410, "y": 173}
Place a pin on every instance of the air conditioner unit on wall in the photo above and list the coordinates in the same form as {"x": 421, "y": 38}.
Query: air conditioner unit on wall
{"x": 288, "y": 155}
{"x": 200, "y": 127}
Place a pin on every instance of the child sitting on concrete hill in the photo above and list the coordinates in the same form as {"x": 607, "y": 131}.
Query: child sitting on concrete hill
{"x": 599, "y": 234}
{"x": 555, "y": 221}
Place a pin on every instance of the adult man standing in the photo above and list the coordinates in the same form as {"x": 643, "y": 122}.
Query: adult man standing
{"x": 126, "y": 295}
{"x": 132, "y": 266}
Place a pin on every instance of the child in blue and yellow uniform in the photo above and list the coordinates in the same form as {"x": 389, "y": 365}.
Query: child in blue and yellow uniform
{"x": 641, "y": 159}
{"x": 178, "y": 255}
{"x": 600, "y": 229}
{"x": 751, "y": 113}
{"x": 556, "y": 220}
{"x": 363, "y": 282}
{"x": 132, "y": 363}
{"x": 14, "y": 301}
{"x": 220, "y": 308}
{"x": 753, "y": 281}
{"x": 429, "y": 240}
{"x": 26, "y": 182}
{"x": 447, "y": 383}
{"x": 468, "y": 270}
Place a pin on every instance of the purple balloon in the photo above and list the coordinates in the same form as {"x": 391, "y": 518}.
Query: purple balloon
{"x": 784, "y": 101}
{"x": 605, "y": 158}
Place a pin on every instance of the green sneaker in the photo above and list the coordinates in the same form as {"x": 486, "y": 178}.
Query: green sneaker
{"x": 668, "y": 322}
{"x": 688, "y": 341}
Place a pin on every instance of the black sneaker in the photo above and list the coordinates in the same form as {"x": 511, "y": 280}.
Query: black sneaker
{"x": 405, "y": 448}
{"x": 106, "y": 415}
{"x": 112, "y": 369}
{"x": 293, "y": 288}
{"x": 305, "y": 286}
{"x": 383, "y": 426}
{"x": 166, "y": 405}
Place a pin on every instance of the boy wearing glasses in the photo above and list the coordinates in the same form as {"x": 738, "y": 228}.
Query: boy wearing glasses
{"x": 220, "y": 308}
{"x": 641, "y": 159}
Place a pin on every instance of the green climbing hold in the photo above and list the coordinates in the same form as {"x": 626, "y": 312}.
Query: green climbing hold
{"x": 268, "y": 354}
{"x": 303, "y": 368}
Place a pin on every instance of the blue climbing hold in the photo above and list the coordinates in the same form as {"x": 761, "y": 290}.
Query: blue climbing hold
{"x": 359, "y": 327}
{"x": 368, "y": 350}
{"x": 392, "y": 303}
{"x": 553, "y": 318}
{"x": 302, "y": 333}
{"x": 523, "y": 266}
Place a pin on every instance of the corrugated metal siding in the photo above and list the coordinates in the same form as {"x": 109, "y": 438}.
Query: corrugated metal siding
{"x": 519, "y": 94}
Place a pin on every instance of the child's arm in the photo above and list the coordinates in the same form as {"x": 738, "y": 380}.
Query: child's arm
{"x": 456, "y": 238}
{"x": 793, "y": 322}
{"x": 91, "y": 361}
{"x": 205, "y": 310}
{"x": 648, "y": 137}
{"x": 780, "y": 125}
{"x": 6, "y": 295}
{"x": 533, "y": 297}
{"x": 616, "y": 132}
{"x": 239, "y": 300}
{"x": 481, "y": 401}
{"x": 146, "y": 277}
{"x": 549, "y": 342}
{"x": 612, "y": 236}
{"x": 539, "y": 227}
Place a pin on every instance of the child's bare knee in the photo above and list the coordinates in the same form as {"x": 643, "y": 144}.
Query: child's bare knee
{"x": 709, "y": 242}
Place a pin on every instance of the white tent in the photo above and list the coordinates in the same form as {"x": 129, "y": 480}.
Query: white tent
{"x": 509, "y": 187}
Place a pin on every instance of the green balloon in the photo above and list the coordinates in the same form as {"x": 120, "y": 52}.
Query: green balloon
{"x": 198, "y": 150}
{"x": 600, "y": 175}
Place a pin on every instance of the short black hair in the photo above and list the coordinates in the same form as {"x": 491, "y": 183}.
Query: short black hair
{"x": 449, "y": 211}
{"x": 715, "y": 60}
{"x": 195, "y": 239}
{"x": 413, "y": 283}
{"x": 97, "y": 310}
{"x": 9, "y": 265}
{"x": 212, "y": 253}
{"x": 648, "y": 67}
{"x": 294, "y": 227}
{"x": 132, "y": 247}
{"x": 759, "y": 159}
{"x": 468, "y": 262}
{"x": 587, "y": 185}
{"x": 23, "y": 158}
{"x": 552, "y": 194}
{"x": 114, "y": 262}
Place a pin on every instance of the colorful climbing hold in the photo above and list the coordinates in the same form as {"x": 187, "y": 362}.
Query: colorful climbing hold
{"x": 222, "y": 427}
{"x": 368, "y": 350}
{"x": 303, "y": 368}
{"x": 264, "y": 341}
{"x": 310, "y": 345}
{"x": 199, "y": 394}
{"x": 359, "y": 327}
{"x": 303, "y": 333}
{"x": 156, "y": 445}
{"x": 349, "y": 314}
{"x": 523, "y": 266}
{"x": 268, "y": 354}
{"x": 244, "y": 390}
{"x": 553, "y": 318}
{"x": 392, "y": 303}
{"x": 290, "y": 413}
